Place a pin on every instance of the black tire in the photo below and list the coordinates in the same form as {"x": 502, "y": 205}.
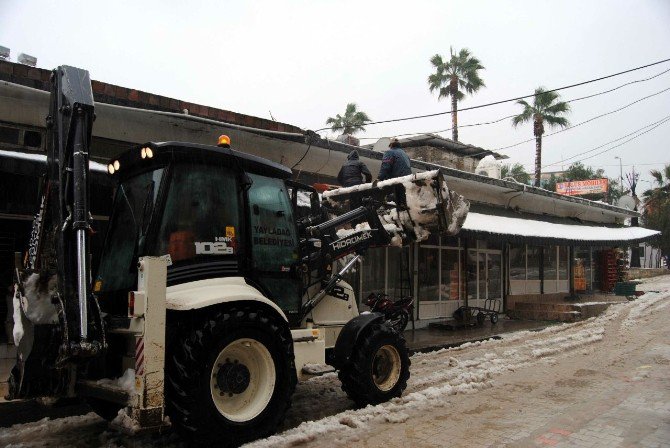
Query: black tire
{"x": 494, "y": 318}
{"x": 481, "y": 317}
{"x": 399, "y": 320}
{"x": 191, "y": 372}
{"x": 379, "y": 342}
{"x": 105, "y": 409}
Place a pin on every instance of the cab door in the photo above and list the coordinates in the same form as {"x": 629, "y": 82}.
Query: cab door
{"x": 274, "y": 242}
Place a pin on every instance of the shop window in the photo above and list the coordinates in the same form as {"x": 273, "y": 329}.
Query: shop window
{"x": 533, "y": 283}
{"x": 9, "y": 135}
{"x": 563, "y": 284}
{"x": 429, "y": 274}
{"x": 533, "y": 266}
{"x": 32, "y": 139}
{"x": 449, "y": 275}
{"x": 517, "y": 268}
{"x": 563, "y": 254}
{"x": 596, "y": 269}
{"x": 399, "y": 272}
{"x": 373, "y": 271}
{"x": 517, "y": 262}
{"x": 550, "y": 263}
{"x": 471, "y": 274}
{"x": 582, "y": 268}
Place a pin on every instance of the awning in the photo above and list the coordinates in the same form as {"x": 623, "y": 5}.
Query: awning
{"x": 538, "y": 231}
{"x": 9, "y": 158}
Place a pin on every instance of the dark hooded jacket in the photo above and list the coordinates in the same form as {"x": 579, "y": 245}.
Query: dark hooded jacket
{"x": 353, "y": 170}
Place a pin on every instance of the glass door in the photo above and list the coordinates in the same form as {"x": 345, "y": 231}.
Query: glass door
{"x": 494, "y": 275}
{"x": 484, "y": 275}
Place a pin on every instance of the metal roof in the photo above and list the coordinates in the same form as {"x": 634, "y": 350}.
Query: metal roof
{"x": 437, "y": 141}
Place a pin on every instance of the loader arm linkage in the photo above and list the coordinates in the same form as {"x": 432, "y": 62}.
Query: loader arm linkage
{"x": 59, "y": 247}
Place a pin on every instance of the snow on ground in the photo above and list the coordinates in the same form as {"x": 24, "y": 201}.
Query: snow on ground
{"x": 125, "y": 382}
{"x": 320, "y": 409}
{"x": 461, "y": 370}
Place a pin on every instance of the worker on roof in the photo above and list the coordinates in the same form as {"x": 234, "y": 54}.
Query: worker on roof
{"x": 395, "y": 162}
{"x": 353, "y": 170}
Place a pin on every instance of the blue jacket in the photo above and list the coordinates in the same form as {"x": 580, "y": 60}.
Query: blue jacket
{"x": 395, "y": 163}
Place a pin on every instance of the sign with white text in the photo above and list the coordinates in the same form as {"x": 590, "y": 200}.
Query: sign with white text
{"x": 580, "y": 187}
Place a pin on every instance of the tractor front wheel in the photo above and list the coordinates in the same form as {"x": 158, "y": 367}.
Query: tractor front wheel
{"x": 230, "y": 378}
{"x": 378, "y": 369}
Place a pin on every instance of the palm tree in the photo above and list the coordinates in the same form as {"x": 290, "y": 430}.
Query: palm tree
{"x": 656, "y": 212}
{"x": 654, "y": 198}
{"x": 516, "y": 172}
{"x": 545, "y": 109}
{"x": 352, "y": 121}
{"x": 453, "y": 77}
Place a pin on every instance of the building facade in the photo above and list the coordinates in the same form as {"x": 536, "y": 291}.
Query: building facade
{"x": 518, "y": 242}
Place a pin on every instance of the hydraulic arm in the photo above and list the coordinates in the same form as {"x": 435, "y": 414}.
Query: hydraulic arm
{"x": 59, "y": 248}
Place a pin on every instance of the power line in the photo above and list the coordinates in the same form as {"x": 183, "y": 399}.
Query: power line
{"x": 584, "y": 122}
{"x": 608, "y": 143}
{"x": 513, "y": 115}
{"x": 657, "y": 124}
{"x": 623, "y": 143}
{"x": 531, "y": 165}
{"x": 510, "y": 99}
{"x": 618, "y": 87}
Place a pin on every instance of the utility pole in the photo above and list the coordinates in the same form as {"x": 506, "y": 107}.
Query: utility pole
{"x": 635, "y": 249}
{"x": 620, "y": 173}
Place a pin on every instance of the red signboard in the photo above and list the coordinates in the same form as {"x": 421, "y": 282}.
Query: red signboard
{"x": 580, "y": 187}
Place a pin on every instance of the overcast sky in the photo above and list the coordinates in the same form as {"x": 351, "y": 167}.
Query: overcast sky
{"x": 304, "y": 60}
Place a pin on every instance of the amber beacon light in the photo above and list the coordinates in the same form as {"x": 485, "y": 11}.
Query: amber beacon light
{"x": 224, "y": 141}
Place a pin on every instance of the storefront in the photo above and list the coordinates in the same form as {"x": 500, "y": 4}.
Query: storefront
{"x": 497, "y": 257}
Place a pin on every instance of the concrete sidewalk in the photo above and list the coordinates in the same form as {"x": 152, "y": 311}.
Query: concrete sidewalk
{"x": 429, "y": 339}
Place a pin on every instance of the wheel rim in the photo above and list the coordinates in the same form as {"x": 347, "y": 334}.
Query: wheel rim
{"x": 242, "y": 380}
{"x": 386, "y": 366}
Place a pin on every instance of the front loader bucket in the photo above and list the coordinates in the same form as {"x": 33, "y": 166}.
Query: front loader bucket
{"x": 411, "y": 207}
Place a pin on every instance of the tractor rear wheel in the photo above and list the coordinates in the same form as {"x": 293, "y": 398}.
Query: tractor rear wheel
{"x": 378, "y": 369}
{"x": 229, "y": 380}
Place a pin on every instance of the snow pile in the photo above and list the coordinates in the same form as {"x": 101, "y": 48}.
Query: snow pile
{"x": 125, "y": 422}
{"x": 569, "y": 342}
{"x": 125, "y": 382}
{"x": 36, "y": 302}
{"x": 18, "y": 330}
{"x": 503, "y": 225}
{"x": 48, "y": 432}
{"x": 642, "y": 307}
{"x": 42, "y": 158}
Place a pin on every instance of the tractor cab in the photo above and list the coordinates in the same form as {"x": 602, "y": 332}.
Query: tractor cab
{"x": 214, "y": 211}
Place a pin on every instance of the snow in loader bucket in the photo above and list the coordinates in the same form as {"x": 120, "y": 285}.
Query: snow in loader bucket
{"x": 410, "y": 207}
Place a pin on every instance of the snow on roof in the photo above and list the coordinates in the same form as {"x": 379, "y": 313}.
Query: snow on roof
{"x": 42, "y": 158}
{"x": 530, "y": 228}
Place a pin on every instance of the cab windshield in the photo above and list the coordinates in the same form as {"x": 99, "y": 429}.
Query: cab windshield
{"x": 198, "y": 221}
{"x": 134, "y": 202}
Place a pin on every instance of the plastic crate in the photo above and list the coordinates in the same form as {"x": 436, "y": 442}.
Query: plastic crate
{"x": 624, "y": 288}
